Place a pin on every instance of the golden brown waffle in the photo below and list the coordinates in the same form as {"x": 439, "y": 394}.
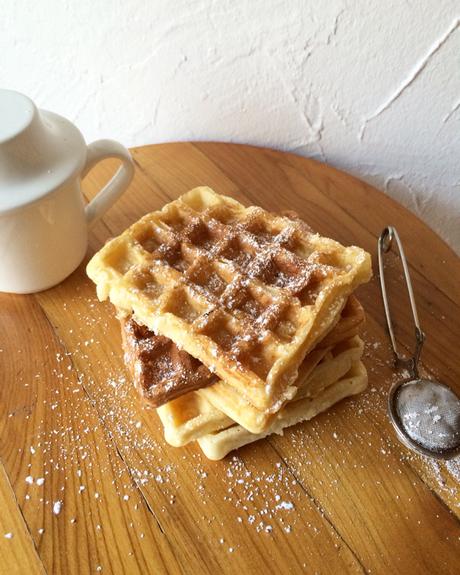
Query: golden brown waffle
{"x": 218, "y": 444}
{"x": 161, "y": 372}
{"x": 352, "y": 319}
{"x": 189, "y": 417}
{"x": 244, "y": 291}
{"x": 194, "y": 415}
{"x": 223, "y": 397}
{"x": 235, "y": 405}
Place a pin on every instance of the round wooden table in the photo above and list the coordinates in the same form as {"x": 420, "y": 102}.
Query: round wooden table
{"x": 87, "y": 482}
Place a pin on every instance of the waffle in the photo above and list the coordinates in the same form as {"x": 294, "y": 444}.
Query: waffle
{"x": 189, "y": 417}
{"x": 352, "y": 319}
{"x": 162, "y": 372}
{"x": 224, "y": 397}
{"x": 246, "y": 292}
{"x": 218, "y": 444}
{"x": 248, "y": 416}
{"x": 194, "y": 415}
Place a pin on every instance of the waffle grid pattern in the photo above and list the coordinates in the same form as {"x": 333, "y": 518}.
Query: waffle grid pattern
{"x": 245, "y": 291}
{"x": 196, "y": 414}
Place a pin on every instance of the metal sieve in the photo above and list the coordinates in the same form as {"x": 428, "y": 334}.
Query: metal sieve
{"x": 425, "y": 413}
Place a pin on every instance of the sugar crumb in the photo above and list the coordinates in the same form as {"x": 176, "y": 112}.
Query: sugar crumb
{"x": 57, "y": 506}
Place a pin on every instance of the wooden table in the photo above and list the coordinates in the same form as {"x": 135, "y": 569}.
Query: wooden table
{"x": 87, "y": 483}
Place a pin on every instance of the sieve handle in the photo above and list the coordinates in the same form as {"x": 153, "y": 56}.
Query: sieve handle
{"x": 384, "y": 245}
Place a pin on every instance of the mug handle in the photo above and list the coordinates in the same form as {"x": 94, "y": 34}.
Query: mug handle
{"x": 105, "y": 198}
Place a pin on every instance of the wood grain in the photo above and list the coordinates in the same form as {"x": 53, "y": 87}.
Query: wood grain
{"x": 336, "y": 495}
{"x": 51, "y": 433}
{"x": 17, "y": 551}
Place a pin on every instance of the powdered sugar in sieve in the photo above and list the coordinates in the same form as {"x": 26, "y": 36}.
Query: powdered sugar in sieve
{"x": 429, "y": 413}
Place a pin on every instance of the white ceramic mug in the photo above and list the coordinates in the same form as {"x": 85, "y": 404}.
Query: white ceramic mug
{"x": 44, "y": 221}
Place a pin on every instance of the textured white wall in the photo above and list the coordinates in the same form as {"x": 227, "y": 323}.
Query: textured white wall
{"x": 371, "y": 86}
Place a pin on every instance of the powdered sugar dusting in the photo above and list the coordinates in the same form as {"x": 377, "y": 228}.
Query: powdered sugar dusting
{"x": 268, "y": 498}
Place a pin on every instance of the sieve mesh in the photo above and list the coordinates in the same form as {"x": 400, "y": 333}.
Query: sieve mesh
{"x": 429, "y": 413}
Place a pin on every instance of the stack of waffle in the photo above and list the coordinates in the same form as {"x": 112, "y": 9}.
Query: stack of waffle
{"x": 236, "y": 322}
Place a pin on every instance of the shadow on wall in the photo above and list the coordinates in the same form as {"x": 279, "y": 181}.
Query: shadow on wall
{"x": 434, "y": 209}
{"x": 438, "y": 210}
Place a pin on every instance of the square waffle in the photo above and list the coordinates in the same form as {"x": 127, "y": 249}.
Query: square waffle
{"x": 194, "y": 415}
{"x": 248, "y": 416}
{"x": 161, "y": 372}
{"x": 218, "y": 444}
{"x": 224, "y": 396}
{"x": 246, "y": 292}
